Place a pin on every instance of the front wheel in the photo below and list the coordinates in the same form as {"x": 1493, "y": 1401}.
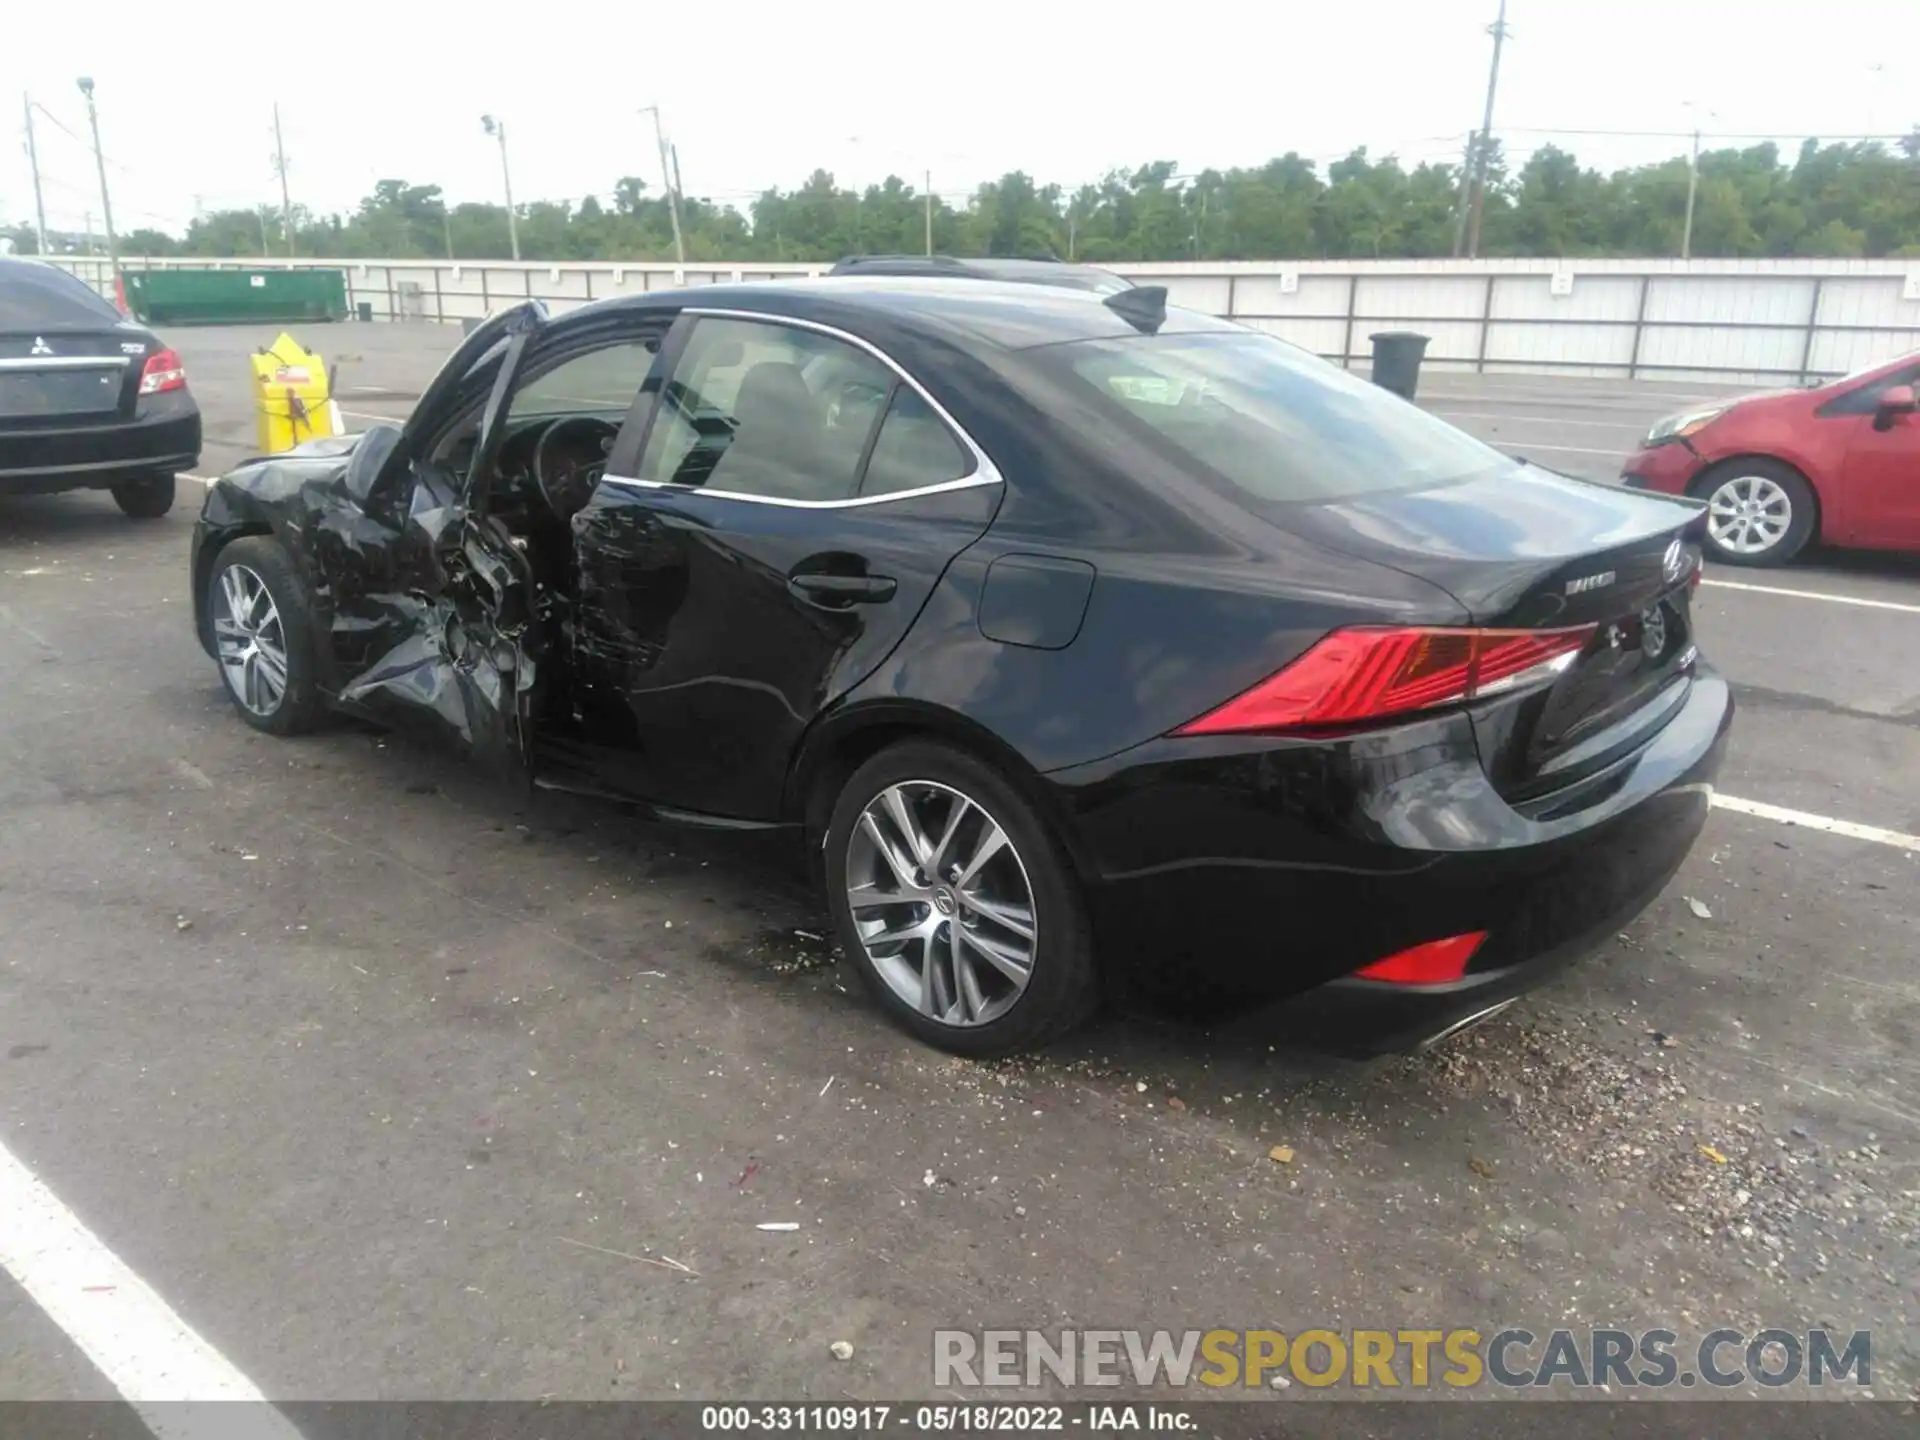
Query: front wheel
{"x": 262, "y": 636}
{"x": 1759, "y": 512}
{"x": 956, "y": 904}
{"x": 147, "y": 498}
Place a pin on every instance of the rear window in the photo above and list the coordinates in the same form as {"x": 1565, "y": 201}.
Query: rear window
{"x": 41, "y": 297}
{"x": 1277, "y": 422}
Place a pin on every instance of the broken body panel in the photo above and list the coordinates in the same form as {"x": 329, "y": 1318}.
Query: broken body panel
{"x": 424, "y": 612}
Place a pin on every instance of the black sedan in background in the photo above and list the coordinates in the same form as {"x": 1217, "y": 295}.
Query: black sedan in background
{"x": 1077, "y": 638}
{"x": 88, "y": 399}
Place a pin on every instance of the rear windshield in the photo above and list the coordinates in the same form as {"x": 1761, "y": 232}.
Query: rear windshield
{"x": 1277, "y": 422}
{"x": 40, "y": 297}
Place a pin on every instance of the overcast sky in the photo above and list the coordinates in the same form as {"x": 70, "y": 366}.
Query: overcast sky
{"x": 757, "y": 93}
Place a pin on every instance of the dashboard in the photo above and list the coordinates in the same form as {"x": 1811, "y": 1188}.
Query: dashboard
{"x": 552, "y": 465}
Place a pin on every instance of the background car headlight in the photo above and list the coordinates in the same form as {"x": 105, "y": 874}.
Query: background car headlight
{"x": 1687, "y": 422}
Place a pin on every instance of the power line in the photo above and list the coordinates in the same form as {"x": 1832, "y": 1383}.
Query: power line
{"x": 79, "y": 140}
{"x": 1704, "y": 134}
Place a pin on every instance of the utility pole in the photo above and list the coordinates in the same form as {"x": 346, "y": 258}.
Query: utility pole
{"x": 280, "y": 168}
{"x": 929, "y": 210}
{"x": 667, "y": 170}
{"x": 1465, "y": 198}
{"x": 100, "y": 163}
{"x": 33, "y": 161}
{"x": 446, "y": 230}
{"x": 86, "y": 218}
{"x": 498, "y": 130}
{"x": 1499, "y": 32}
{"x": 1693, "y": 179}
{"x": 266, "y": 245}
{"x": 1693, "y": 188}
{"x": 674, "y": 151}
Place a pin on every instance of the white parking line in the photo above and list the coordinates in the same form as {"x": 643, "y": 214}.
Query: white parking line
{"x": 1806, "y": 820}
{"x": 1815, "y": 595}
{"x": 148, "y": 1353}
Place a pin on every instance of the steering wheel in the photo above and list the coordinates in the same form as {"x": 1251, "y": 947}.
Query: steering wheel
{"x": 567, "y": 470}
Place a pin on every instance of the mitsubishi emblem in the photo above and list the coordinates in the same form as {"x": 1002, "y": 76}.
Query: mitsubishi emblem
{"x": 40, "y": 346}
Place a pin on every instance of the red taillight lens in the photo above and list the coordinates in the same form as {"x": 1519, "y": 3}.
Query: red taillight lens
{"x": 1434, "y": 963}
{"x": 163, "y": 371}
{"x": 1360, "y": 675}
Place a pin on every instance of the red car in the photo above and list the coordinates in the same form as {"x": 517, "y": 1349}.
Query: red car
{"x": 1839, "y": 463}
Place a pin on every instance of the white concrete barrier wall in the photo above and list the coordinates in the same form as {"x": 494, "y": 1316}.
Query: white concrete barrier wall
{"x": 1731, "y": 321}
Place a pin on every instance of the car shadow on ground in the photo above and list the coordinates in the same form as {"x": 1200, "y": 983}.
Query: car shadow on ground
{"x": 793, "y": 945}
{"x": 79, "y": 521}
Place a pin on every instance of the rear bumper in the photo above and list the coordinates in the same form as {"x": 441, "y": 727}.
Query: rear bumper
{"x": 164, "y": 437}
{"x": 1668, "y": 468}
{"x": 1271, "y": 869}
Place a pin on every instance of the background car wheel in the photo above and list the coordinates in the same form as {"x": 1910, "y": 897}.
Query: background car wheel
{"x": 257, "y": 608}
{"x": 955, "y": 903}
{"x": 147, "y": 498}
{"x": 1759, "y": 512}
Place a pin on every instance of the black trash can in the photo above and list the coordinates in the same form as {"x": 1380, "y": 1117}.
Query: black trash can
{"x": 1396, "y": 360}
{"x": 365, "y": 310}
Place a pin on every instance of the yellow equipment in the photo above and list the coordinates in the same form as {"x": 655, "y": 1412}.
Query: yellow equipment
{"x": 292, "y": 396}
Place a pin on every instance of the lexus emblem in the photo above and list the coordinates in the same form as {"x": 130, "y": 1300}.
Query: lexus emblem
{"x": 40, "y": 346}
{"x": 1674, "y": 563}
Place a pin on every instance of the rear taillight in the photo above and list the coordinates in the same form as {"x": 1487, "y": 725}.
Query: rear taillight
{"x": 1360, "y": 675}
{"x": 163, "y": 371}
{"x": 1434, "y": 963}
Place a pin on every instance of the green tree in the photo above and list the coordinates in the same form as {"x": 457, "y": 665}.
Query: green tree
{"x": 1841, "y": 199}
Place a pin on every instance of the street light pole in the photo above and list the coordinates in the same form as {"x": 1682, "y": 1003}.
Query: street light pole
{"x": 100, "y": 164}
{"x": 667, "y": 179}
{"x": 498, "y": 129}
{"x": 929, "y": 210}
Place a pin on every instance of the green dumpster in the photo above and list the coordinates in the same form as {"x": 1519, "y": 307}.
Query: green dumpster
{"x": 236, "y": 297}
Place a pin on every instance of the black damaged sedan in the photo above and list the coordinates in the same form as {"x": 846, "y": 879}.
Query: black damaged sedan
{"x": 1076, "y": 638}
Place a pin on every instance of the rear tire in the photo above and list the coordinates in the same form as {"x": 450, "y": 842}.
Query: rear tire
{"x": 263, "y": 637}
{"x": 988, "y": 950}
{"x": 147, "y": 498}
{"x": 1759, "y": 511}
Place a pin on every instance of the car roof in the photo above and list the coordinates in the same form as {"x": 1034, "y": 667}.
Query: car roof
{"x": 1029, "y": 270}
{"x": 995, "y": 314}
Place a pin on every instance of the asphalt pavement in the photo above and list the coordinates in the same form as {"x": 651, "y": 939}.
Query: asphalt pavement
{"x": 393, "y": 1084}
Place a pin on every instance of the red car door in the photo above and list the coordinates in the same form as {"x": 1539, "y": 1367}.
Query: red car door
{"x": 1882, "y": 474}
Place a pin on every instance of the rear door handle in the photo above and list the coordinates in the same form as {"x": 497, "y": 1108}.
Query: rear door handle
{"x": 838, "y": 590}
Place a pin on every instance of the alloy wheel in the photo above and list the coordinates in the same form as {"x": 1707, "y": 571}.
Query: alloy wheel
{"x": 941, "y": 902}
{"x": 251, "y": 643}
{"x": 1749, "y": 515}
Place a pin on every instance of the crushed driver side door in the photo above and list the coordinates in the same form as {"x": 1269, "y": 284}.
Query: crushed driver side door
{"x": 499, "y": 629}
{"x": 458, "y": 631}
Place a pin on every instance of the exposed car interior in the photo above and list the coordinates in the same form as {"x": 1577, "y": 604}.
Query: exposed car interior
{"x": 753, "y": 408}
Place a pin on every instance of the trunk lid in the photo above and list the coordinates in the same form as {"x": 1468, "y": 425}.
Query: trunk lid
{"x": 1526, "y": 549}
{"x": 68, "y": 377}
